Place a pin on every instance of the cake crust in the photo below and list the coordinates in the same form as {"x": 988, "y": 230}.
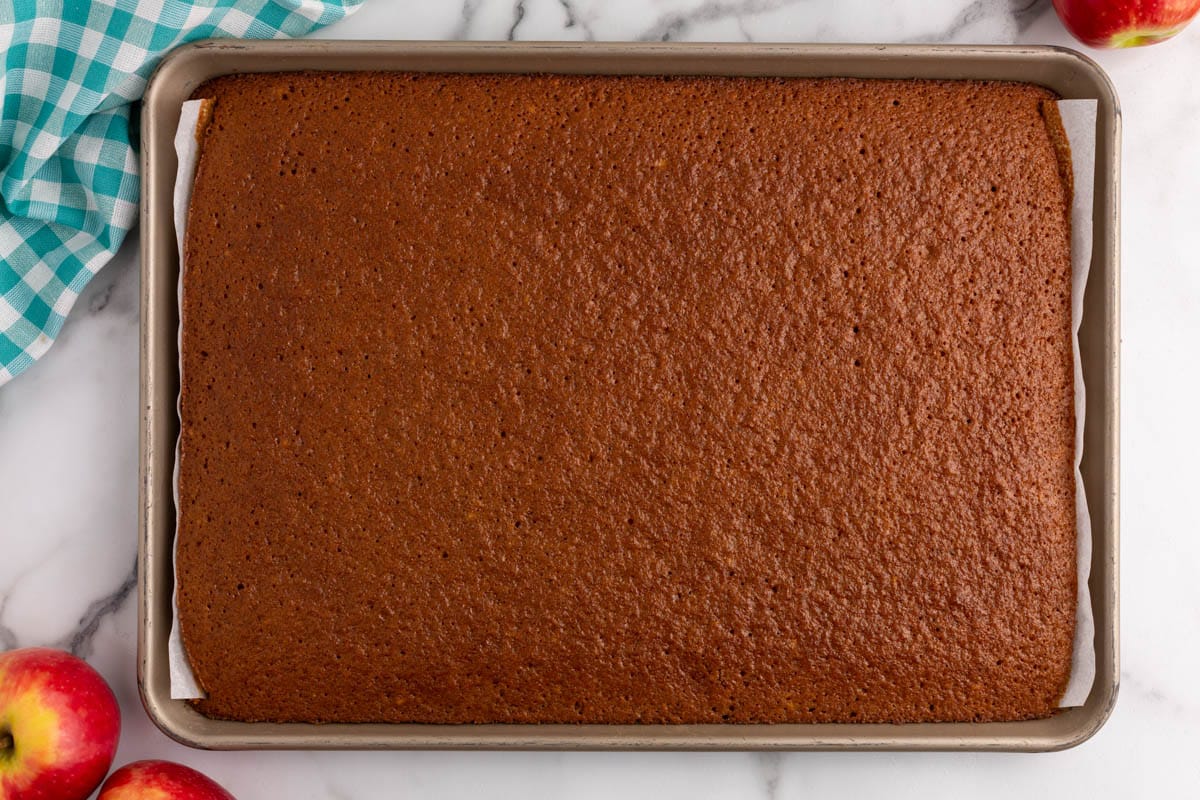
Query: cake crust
{"x": 663, "y": 400}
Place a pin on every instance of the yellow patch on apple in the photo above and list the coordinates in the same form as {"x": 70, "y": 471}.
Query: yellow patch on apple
{"x": 34, "y": 730}
{"x": 137, "y": 792}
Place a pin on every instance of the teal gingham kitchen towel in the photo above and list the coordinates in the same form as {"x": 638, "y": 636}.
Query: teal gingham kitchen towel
{"x": 68, "y": 161}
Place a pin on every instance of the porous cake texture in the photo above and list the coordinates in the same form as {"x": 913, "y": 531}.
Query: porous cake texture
{"x": 533, "y": 398}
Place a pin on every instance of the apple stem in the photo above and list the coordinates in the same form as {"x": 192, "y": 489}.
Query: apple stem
{"x": 6, "y": 742}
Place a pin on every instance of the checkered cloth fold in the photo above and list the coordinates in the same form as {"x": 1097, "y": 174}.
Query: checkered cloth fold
{"x": 68, "y": 164}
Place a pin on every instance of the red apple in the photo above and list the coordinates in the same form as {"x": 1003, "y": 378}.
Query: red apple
{"x": 1125, "y": 23}
{"x": 160, "y": 780}
{"x": 59, "y": 725}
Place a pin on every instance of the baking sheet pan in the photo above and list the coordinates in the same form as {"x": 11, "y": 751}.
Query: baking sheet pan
{"x": 1068, "y": 73}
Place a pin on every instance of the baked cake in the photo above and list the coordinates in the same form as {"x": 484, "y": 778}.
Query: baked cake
{"x": 532, "y": 399}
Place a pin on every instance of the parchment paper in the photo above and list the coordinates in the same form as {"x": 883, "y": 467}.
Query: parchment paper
{"x": 1079, "y": 122}
{"x": 183, "y": 680}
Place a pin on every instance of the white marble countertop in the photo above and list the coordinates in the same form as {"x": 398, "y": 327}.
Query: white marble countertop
{"x": 68, "y": 457}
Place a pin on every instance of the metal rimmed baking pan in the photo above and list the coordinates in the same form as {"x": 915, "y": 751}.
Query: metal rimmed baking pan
{"x": 1068, "y": 73}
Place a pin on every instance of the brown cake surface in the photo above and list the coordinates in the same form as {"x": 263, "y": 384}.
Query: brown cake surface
{"x": 587, "y": 399}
